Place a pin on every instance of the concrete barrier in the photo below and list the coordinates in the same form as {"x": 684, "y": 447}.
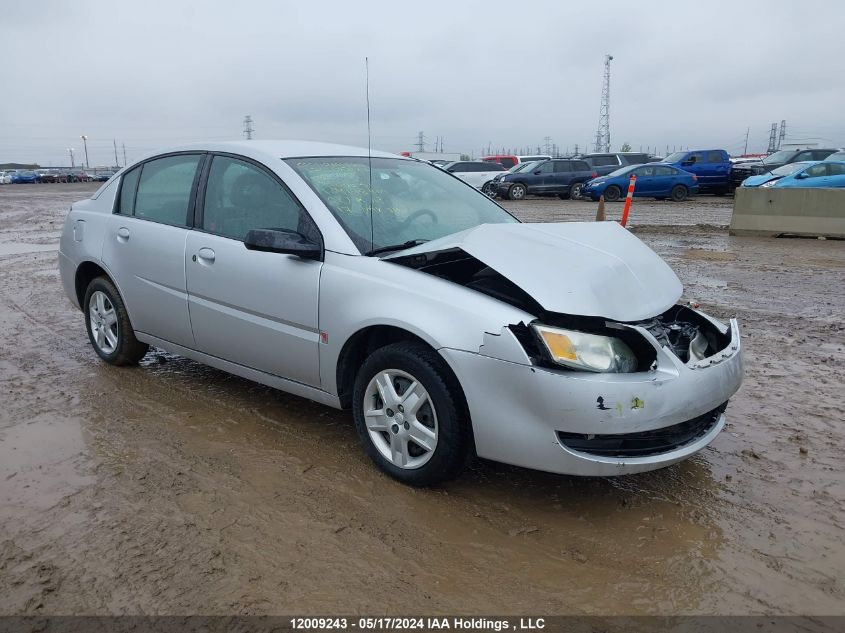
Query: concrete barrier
{"x": 770, "y": 212}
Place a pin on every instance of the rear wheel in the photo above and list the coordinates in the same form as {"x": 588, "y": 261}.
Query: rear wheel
{"x": 109, "y": 328}
{"x": 409, "y": 414}
{"x": 612, "y": 193}
{"x": 679, "y": 193}
{"x": 517, "y": 191}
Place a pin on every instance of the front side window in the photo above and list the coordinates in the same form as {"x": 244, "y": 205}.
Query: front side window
{"x": 644, "y": 171}
{"x": 408, "y": 200}
{"x": 663, "y": 171}
{"x": 241, "y": 197}
{"x": 816, "y": 171}
{"x": 165, "y": 187}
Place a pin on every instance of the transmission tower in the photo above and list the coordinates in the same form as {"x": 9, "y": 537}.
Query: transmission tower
{"x": 420, "y": 142}
{"x": 603, "y": 131}
{"x": 773, "y": 139}
{"x": 782, "y": 133}
{"x": 248, "y": 129}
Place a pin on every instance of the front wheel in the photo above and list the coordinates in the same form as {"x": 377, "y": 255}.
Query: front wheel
{"x": 575, "y": 190}
{"x": 489, "y": 189}
{"x": 517, "y": 192}
{"x": 108, "y": 325}
{"x": 612, "y": 193}
{"x": 679, "y": 193}
{"x": 410, "y": 416}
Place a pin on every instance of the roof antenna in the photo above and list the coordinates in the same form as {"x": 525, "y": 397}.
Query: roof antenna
{"x": 370, "y": 155}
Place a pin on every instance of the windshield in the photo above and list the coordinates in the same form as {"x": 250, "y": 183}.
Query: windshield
{"x": 410, "y": 200}
{"x": 789, "y": 169}
{"x": 677, "y": 157}
{"x": 622, "y": 171}
{"x": 778, "y": 157}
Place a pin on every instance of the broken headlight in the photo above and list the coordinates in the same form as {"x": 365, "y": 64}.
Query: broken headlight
{"x": 587, "y": 352}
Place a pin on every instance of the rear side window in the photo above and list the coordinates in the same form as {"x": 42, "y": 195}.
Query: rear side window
{"x": 803, "y": 156}
{"x": 821, "y": 154}
{"x": 835, "y": 169}
{"x": 716, "y": 157}
{"x": 580, "y": 165}
{"x": 635, "y": 159}
{"x": 128, "y": 187}
{"x": 562, "y": 165}
{"x": 164, "y": 189}
{"x": 508, "y": 162}
{"x": 604, "y": 161}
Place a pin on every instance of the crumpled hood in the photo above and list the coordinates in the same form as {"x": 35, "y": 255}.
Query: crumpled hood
{"x": 578, "y": 268}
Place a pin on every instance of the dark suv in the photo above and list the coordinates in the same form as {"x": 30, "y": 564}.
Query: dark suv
{"x": 741, "y": 171}
{"x": 558, "y": 176}
{"x": 603, "y": 164}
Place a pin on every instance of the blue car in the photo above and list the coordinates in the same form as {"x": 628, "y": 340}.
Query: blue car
{"x": 712, "y": 166}
{"x": 654, "y": 180}
{"x": 24, "y": 177}
{"x": 803, "y": 174}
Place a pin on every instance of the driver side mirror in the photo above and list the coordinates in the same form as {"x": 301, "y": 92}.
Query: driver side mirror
{"x": 538, "y": 172}
{"x": 802, "y": 175}
{"x": 285, "y": 242}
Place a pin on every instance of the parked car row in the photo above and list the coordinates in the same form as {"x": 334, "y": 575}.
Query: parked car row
{"x": 29, "y": 176}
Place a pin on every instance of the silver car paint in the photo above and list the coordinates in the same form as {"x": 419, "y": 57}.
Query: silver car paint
{"x": 583, "y": 268}
{"x": 515, "y": 407}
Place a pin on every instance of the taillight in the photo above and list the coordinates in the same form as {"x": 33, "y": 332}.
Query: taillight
{"x": 595, "y": 174}
{"x": 694, "y": 177}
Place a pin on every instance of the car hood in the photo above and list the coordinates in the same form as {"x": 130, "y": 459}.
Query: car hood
{"x": 578, "y": 268}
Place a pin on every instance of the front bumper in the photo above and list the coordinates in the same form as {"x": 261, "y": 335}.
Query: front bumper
{"x": 528, "y": 415}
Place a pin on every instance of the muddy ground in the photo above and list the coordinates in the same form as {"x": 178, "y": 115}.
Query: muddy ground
{"x": 174, "y": 488}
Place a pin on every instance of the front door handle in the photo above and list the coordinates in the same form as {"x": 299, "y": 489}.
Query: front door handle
{"x": 122, "y": 234}
{"x": 206, "y": 256}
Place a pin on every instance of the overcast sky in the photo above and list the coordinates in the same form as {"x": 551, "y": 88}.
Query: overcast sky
{"x": 151, "y": 74}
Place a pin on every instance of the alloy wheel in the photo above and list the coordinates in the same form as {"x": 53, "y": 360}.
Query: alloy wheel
{"x": 104, "y": 323}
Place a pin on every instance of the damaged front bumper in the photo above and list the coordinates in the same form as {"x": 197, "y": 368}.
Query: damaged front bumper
{"x": 580, "y": 423}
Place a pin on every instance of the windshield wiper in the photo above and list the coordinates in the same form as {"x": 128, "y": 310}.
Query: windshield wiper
{"x": 395, "y": 247}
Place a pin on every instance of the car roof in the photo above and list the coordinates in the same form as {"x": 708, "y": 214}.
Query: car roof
{"x": 273, "y": 150}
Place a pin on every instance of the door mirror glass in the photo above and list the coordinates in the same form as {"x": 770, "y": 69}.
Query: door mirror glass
{"x": 802, "y": 175}
{"x": 281, "y": 241}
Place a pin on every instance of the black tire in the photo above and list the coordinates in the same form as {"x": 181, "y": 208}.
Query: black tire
{"x": 575, "y": 190}
{"x": 612, "y": 193}
{"x": 488, "y": 189}
{"x": 679, "y": 193}
{"x": 454, "y": 436}
{"x": 517, "y": 191}
{"x": 128, "y": 350}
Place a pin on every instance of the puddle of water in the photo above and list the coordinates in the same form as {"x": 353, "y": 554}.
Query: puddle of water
{"x": 17, "y": 248}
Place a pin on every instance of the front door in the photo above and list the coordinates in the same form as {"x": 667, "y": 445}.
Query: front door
{"x": 253, "y": 308}
{"x": 144, "y": 245}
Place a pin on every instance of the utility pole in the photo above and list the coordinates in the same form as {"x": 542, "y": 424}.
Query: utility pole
{"x": 85, "y": 143}
{"x": 773, "y": 139}
{"x": 420, "y": 141}
{"x": 70, "y": 151}
{"x": 124, "y": 154}
{"x": 547, "y": 144}
{"x": 114, "y": 142}
{"x": 576, "y": 149}
{"x": 248, "y": 129}
{"x": 603, "y": 130}
{"x": 747, "y": 132}
{"x": 782, "y": 134}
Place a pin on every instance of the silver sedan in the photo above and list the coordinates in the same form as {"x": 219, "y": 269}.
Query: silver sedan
{"x": 388, "y": 286}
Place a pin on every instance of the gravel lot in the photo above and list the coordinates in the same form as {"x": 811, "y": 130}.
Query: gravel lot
{"x": 174, "y": 488}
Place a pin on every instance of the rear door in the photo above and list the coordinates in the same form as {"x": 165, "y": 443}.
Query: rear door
{"x": 253, "y": 308}
{"x": 664, "y": 178}
{"x": 144, "y": 246}
{"x": 836, "y": 173}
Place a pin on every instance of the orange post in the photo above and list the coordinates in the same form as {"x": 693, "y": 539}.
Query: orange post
{"x": 631, "y": 184}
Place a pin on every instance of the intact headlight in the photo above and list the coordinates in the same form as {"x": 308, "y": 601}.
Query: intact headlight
{"x": 769, "y": 183}
{"x": 587, "y": 352}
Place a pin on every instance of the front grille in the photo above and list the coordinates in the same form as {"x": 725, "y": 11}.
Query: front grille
{"x": 645, "y": 443}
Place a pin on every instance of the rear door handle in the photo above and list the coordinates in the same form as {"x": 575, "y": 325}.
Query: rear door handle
{"x": 206, "y": 256}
